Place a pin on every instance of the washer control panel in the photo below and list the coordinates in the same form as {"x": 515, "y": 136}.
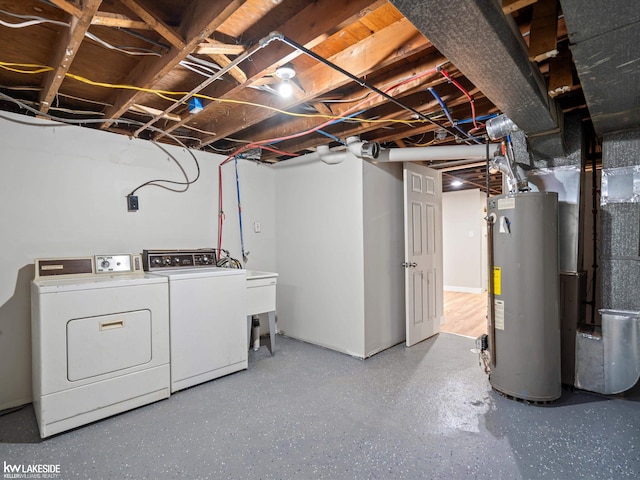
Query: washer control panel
{"x": 165, "y": 259}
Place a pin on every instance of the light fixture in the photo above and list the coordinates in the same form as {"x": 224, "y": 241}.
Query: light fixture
{"x": 285, "y": 73}
{"x": 456, "y": 183}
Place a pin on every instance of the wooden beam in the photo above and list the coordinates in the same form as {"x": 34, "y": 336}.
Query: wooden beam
{"x": 153, "y": 111}
{"x": 216, "y": 48}
{"x": 200, "y": 21}
{"x": 322, "y": 108}
{"x": 235, "y": 72}
{"x": 154, "y": 22}
{"x": 560, "y": 74}
{"x": 70, "y": 8}
{"x": 544, "y": 31}
{"x": 65, "y": 51}
{"x": 510, "y": 6}
{"x": 107, "y": 19}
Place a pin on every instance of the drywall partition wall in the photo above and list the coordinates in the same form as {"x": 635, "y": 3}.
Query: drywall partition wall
{"x": 462, "y": 224}
{"x": 62, "y": 193}
{"x": 383, "y": 256}
{"x": 319, "y": 252}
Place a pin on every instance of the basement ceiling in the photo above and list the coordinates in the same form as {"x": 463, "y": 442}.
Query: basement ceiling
{"x": 361, "y": 69}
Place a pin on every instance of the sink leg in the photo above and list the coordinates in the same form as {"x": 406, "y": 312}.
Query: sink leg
{"x": 248, "y": 332}
{"x": 272, "y": 330}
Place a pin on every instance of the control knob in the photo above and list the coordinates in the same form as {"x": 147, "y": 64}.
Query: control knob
{"x": 105, "y": 263}
{"x": 157, "y": 261}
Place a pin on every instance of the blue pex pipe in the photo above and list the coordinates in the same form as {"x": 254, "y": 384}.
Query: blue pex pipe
{"x": 244, "y": 256}
{"x": 448, "y": 114}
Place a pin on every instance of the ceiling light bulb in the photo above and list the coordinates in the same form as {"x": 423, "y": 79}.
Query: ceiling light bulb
{"x": 285, "y": 89}
{"x": 456, "y": 183}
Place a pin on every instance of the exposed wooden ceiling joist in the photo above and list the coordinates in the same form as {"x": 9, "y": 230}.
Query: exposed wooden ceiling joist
{"x": 68, "y": 7}
{"x": 199, "y": 22}
{"x": 106, "y": 19}
{"x": 321, "y": 79}
{"x": 65, "y": 51}
{"x": 308, "y": 27}
{"x": 152, "y": 39}
{"x": 155, "y": 22}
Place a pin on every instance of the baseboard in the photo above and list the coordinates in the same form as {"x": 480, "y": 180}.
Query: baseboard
{"x": 15, "y": 403}
{"x": 463, "y": 289}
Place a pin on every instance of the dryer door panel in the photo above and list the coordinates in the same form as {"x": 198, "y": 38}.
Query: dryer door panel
{"x": 107, "y": 343}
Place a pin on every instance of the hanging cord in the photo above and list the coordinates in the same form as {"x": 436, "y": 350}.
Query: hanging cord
{"x": 227, "y": 261}
{"x": 244, "y": 253}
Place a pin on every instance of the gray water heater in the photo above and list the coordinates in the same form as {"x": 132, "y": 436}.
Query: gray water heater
{"x": 524, "y": 324}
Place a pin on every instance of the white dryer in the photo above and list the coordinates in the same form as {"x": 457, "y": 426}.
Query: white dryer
{"x": 100, "y": 339}
{"x": 207, "y": 315}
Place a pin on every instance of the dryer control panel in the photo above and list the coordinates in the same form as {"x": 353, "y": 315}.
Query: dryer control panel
{"x": 87, "y": 266}
{"x": 118, "y": 263}
{"x": 153, "y": 260}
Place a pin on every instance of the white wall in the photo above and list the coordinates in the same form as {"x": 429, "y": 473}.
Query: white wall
{"x": 62, "y": 193}
{"x": 319, "y": 245}
{"x": 463, "y": 231}
{"x": 383, "y": 256}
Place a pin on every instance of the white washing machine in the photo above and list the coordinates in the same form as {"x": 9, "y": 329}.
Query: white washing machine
{"x": 207, "y": 315}
{"x": 100, "y": 339}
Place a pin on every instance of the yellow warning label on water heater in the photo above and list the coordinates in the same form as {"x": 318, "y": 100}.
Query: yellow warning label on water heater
{"x": 497, "y": 280}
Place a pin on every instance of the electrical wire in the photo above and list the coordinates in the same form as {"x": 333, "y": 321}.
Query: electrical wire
{"x": 31, "y": 20}
{"x": 127, "y": 50}
{"x": 68, "y": 122}
{"x": 164, "y": 94}
{"x": 194, "y": 67}
{"x": 35, "y": 20}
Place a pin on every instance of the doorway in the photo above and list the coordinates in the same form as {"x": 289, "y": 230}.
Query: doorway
{"x": 465, "y": 313}
{"x": 465, "y": 262}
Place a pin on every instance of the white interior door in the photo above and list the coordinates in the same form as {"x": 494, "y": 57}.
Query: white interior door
{"x": 423, "y": 251}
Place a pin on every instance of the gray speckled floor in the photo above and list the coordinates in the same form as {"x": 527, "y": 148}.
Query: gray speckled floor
{"x": 425, "y": 412}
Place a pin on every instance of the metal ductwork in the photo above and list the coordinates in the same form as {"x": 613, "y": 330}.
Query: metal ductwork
{"x": 485, "y": 45}
{"x": 604, "y": 45}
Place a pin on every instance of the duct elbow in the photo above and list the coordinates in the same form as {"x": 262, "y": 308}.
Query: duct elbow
{"x": 328, "y": 157}
{"x": 500, "y": 126}
{"x": 364, "y": 150}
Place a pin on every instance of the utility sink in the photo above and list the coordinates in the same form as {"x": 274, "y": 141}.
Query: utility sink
{"x": 261, "y": 292}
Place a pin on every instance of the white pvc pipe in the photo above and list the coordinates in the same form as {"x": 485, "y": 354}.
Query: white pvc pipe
{"x": 438, "y": 152}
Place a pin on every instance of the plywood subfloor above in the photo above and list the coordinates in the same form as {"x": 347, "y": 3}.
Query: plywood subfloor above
{"x": 465, "y": 313}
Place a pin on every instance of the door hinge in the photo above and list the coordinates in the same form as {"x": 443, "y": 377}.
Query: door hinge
{"x": 409, "y": 264}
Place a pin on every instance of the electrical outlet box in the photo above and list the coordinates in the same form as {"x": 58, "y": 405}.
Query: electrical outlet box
{"x": 132, "y": 203}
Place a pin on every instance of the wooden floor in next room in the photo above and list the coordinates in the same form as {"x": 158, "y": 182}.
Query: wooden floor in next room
{"x": 465, "y": 313}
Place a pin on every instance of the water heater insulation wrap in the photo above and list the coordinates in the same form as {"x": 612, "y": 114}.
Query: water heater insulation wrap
{"x": 526, "y": 296}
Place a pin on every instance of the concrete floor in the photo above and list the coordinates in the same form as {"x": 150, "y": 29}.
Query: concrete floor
{"x": 425, "y": 412}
